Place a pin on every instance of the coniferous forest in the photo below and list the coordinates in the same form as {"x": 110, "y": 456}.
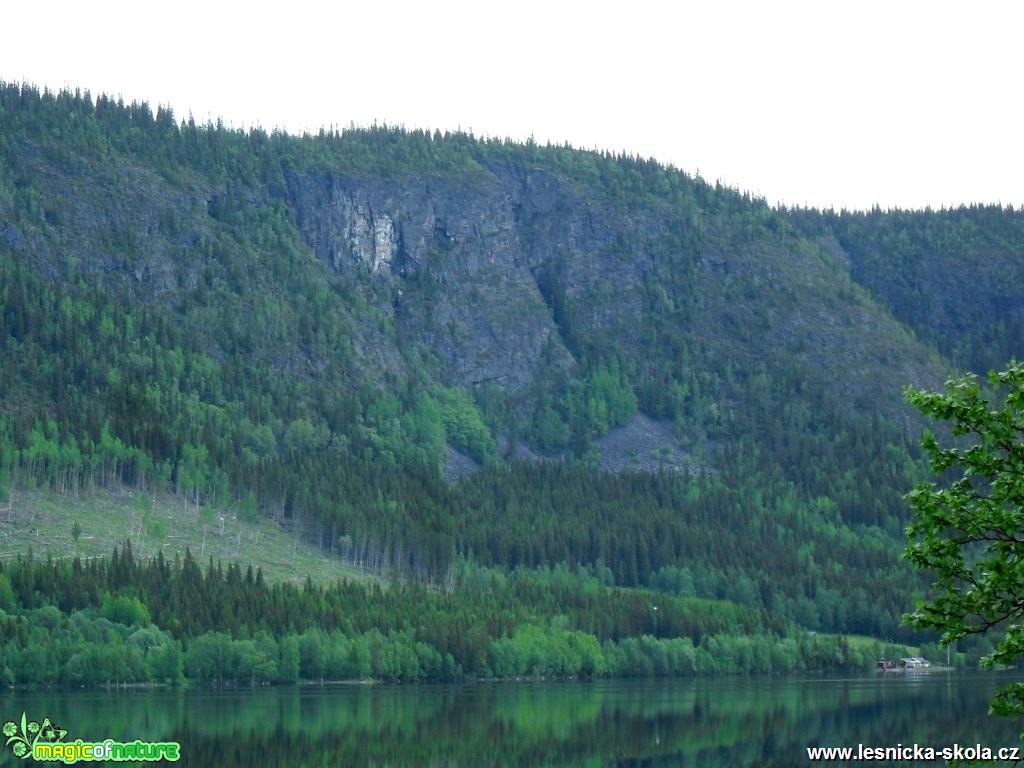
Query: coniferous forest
{"x": 573, "y": 413}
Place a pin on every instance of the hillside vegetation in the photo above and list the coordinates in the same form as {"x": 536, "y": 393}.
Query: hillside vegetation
{"x": 417, "y": 350}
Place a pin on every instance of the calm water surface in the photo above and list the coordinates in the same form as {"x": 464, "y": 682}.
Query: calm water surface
{"x": 721, "y": 722}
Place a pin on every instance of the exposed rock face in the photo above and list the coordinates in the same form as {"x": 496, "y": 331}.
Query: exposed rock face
{"x": 498, "y": 275}
{"x": 353, "y": 233}
{"x": 371, "y": 240}
{"x": 484, "y": 268}
{"x": 452, "y": 256}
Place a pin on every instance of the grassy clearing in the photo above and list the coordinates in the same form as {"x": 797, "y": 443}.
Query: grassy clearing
{"x": 866, "y": 643}
{"x": 46, "y": 522}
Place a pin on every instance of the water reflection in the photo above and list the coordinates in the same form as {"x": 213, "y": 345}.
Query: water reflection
{"x": 728, "y": 722}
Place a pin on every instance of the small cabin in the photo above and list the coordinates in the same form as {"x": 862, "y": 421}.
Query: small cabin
{"x": 914, "y": 662}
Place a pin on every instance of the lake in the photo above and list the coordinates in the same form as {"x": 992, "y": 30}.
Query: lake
{"x": 709, "y": 722}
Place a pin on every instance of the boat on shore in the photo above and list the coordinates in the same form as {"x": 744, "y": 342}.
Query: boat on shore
{"x": 908, "y": 664}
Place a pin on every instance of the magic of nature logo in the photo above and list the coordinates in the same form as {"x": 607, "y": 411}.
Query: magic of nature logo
{"x": 45, "y": 741}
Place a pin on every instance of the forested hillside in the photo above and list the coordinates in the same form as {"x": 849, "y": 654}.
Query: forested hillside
{"x": 119, "y": 620}
{"x": 418, "y": 349}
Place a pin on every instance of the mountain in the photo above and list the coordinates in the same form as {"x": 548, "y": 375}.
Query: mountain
{"x": 416, "y": 347}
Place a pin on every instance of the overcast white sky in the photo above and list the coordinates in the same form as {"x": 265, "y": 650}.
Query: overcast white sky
{"x": 828, "y": 103}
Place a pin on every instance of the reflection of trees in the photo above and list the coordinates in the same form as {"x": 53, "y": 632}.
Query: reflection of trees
{"x": 732, "y": 722}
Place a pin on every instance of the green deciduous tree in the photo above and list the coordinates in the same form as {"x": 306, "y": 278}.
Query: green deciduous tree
{"x": 968, "y": 528}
